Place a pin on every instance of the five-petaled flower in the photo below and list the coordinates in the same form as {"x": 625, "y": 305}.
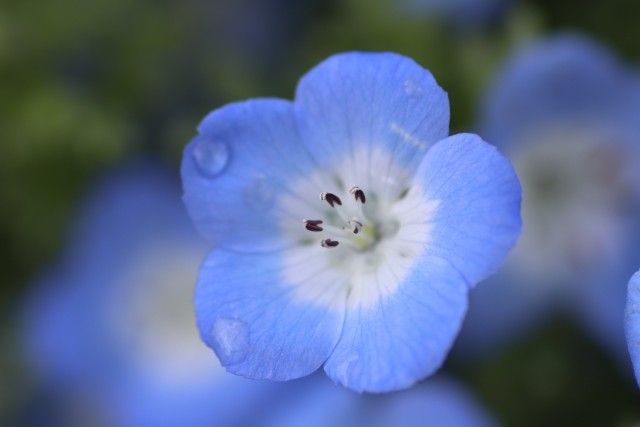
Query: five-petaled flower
{"x": 348, "y": 226}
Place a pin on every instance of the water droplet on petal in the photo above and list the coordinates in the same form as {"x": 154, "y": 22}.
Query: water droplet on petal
{"x": 230, "y": 340}
{"x": 412, "y": 88}
{"x": 343, "y": 370}
{"x": 260, "y": 194}
{"x": 211, "y": 156}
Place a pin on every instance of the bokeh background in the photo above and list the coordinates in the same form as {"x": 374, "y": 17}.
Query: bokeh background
{"x": 90, "y": 87}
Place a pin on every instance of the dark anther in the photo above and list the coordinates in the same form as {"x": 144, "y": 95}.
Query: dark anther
{"x": 328, "y": 243}
{"x": 331, "y": 199}
{"x": 358, "y": 194}
{"x": 357, "y": 226}
{"x": 313, "y": 224}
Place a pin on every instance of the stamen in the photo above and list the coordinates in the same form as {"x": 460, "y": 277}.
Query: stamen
{"x": 328, "y": 243}
{"x": 313, "y": 224}
{"x": 352, "y": 220}
{"x": 331, "y": 199}
{"x": 358, "y": 194}
{"x": 356, "y": 225}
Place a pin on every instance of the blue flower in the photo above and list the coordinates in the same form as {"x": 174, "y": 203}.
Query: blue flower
{"x": 111, "y": 327}
{"x": 568, "y": 114}
{"x": 463, "y": 13}
{"x": 436, "y": 402}
{"x": 632, "y": 322}
{"x": 348, "y": 226}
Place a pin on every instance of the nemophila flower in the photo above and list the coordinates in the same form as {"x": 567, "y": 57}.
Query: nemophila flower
{"x": 436, "y": 402}
{"x": 111, "y": 328}
{"x": 632, "y": 322}
{"x": 348, "y": 226}
{"x": 568, "y": 114}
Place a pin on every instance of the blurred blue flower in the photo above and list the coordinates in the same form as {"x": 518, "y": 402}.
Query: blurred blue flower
{"x": 632, "y": 322}
{"x": 111, "y": 328}
{"x": 436, "y": 402}
{"x": 371, "y": 279}
{"x": 463, "y": 13}
{"x": 568, "y": 115}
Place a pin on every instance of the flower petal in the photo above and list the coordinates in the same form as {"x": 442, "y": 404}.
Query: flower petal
{"x": 235, "y": 170}
{"x": 632, "y": 322}
{"x": 352, "y": 100}
{"x": 562, "y": 79}
{"x": 478, "y": 217}
{"x": 404, "y": 337}
{"x": 251, "y": 317}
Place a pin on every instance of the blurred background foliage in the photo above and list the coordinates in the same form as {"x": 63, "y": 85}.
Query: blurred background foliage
{"x": 86, "y": 85}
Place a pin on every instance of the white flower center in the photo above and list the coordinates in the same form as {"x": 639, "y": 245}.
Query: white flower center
{"x": 356, "y": 240}
{"x": 576, "y": 192}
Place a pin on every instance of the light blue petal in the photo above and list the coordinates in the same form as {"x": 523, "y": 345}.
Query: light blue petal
{"x": 478, "y": 218}
{"x": 371, "y": 99}
{"x": 565, "y": 78}
{"x": 248, "y": 315}
{"x": 234, "y": 171}
{"x": 404, "y": 337}
{"x": 632, "y": 322}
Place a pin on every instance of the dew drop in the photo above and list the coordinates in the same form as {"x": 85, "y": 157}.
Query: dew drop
{"x": 230, "y": 340}
{"x": 260, "y": 194}
{"x": 211, "y": 156}
{"x": 412, "y": 88}
{"x": 342, "y": 371}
